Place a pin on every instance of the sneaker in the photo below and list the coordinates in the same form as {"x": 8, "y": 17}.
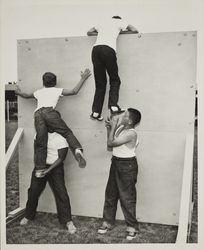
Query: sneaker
{"x": 71, "y": 227}
{"x": 24, "y": 221}
{"x": 116, "y": 110}
{"x": 104, "y": 228}
{"x": 79, "y": 157}
{"x": 132, "y": 232}
{"x": 96, "y": 116}
{"x": 131, "y": 235}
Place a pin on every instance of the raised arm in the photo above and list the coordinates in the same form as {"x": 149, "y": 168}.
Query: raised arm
{"x": 113, "y": 124}
{"x": 84, "y": 76}
{"x": 93, "y": 31}
{"x": 23, "y": 94}
{"x": 108, "y": 128}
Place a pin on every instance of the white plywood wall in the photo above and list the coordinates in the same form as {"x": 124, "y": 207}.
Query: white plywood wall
{"x": 158, "y": 74}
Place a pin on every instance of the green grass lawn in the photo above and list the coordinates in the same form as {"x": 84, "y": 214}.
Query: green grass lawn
{"x": 45, "y": 229}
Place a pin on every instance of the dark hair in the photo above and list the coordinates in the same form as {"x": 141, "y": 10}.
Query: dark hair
{"x": 49, "y": 79}
{"x": 134, "y": 115}
{"x": 117, "y": 17}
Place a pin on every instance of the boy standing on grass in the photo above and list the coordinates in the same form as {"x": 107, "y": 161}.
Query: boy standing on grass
{"x": 104, "y": 60}
{"x": 123, "y": 172}
{"x": 57, "y": 149}
{"x": 48, "y": 119}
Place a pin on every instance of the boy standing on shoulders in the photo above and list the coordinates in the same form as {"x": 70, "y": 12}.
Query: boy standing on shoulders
{"x": 123, "y": 172}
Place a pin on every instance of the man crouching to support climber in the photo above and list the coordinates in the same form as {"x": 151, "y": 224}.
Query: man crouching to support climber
{"x": 123, "y": 172}
{"x": 57, "y": 149}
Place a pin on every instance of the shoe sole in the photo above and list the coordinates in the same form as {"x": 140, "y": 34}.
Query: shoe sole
{"x": 96, "y": 119}
{"x": 72, "y": 232}
{"x": 117, "y": 112}
{"x": 130, "y": 238}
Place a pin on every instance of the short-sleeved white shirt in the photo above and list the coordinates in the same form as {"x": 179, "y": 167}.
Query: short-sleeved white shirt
{"x": 47, "y": 97}
{"x": 55, "y": 142}
{"x": 109, "y": 31}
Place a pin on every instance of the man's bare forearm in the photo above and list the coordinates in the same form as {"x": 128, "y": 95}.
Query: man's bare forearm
{"x": 78, "y": 86}
{"x": 84, "y": 76}
{"x": 111, "y": 136}
{"x": 108, "y": 147}
{"x": 24, "y": 95}
{"x": 55, "y": 164}
{"x": 62, "y": 153}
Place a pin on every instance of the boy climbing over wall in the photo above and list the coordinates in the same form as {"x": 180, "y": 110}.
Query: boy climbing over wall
{"x": 104, "y": 59}
{"x": 47, "y": 119}
{"x": 123, "y": 172}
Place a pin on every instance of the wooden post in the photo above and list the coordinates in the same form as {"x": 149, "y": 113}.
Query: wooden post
{"x": 186, "y": 193}
{"x": 13, "y": 145}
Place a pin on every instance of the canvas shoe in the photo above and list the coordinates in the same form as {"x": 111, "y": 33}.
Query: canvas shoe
{"x": 71, "y": 227}
{"x": 131, "y": 235}
{"x": 116, "y": 110}
{"x": 79, "y": 157}
{"x": 24, "y": 221}
{"x": 96, "y": 116}
{"x": 132, "y": 232}
{"x": 104, "y": 228}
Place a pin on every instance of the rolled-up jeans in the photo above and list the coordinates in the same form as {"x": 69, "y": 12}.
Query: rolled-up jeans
{"x": 49, "y": 120}
{"x": 121, "y": 186}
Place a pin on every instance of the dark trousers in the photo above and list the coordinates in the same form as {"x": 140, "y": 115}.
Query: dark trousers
{"x": 49, "y": 120}
{"x": 121, "y": 186}
{"x": 56, "y": 181}
{"x": 104, "y": 59}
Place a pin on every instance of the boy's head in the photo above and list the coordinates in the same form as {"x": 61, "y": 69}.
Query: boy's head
{"x": 131, "y": 117}
{"x": 116, "y": 17}
{"x": 49, "y": 79}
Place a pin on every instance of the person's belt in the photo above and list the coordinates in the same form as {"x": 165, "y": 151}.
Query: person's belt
{"x": 123, "y": 159}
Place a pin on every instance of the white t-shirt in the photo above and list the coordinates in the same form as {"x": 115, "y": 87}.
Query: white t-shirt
{"x": 55, "y": 142}
{"x": 47, "y": 97}
{"x": 109, "y": 31}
